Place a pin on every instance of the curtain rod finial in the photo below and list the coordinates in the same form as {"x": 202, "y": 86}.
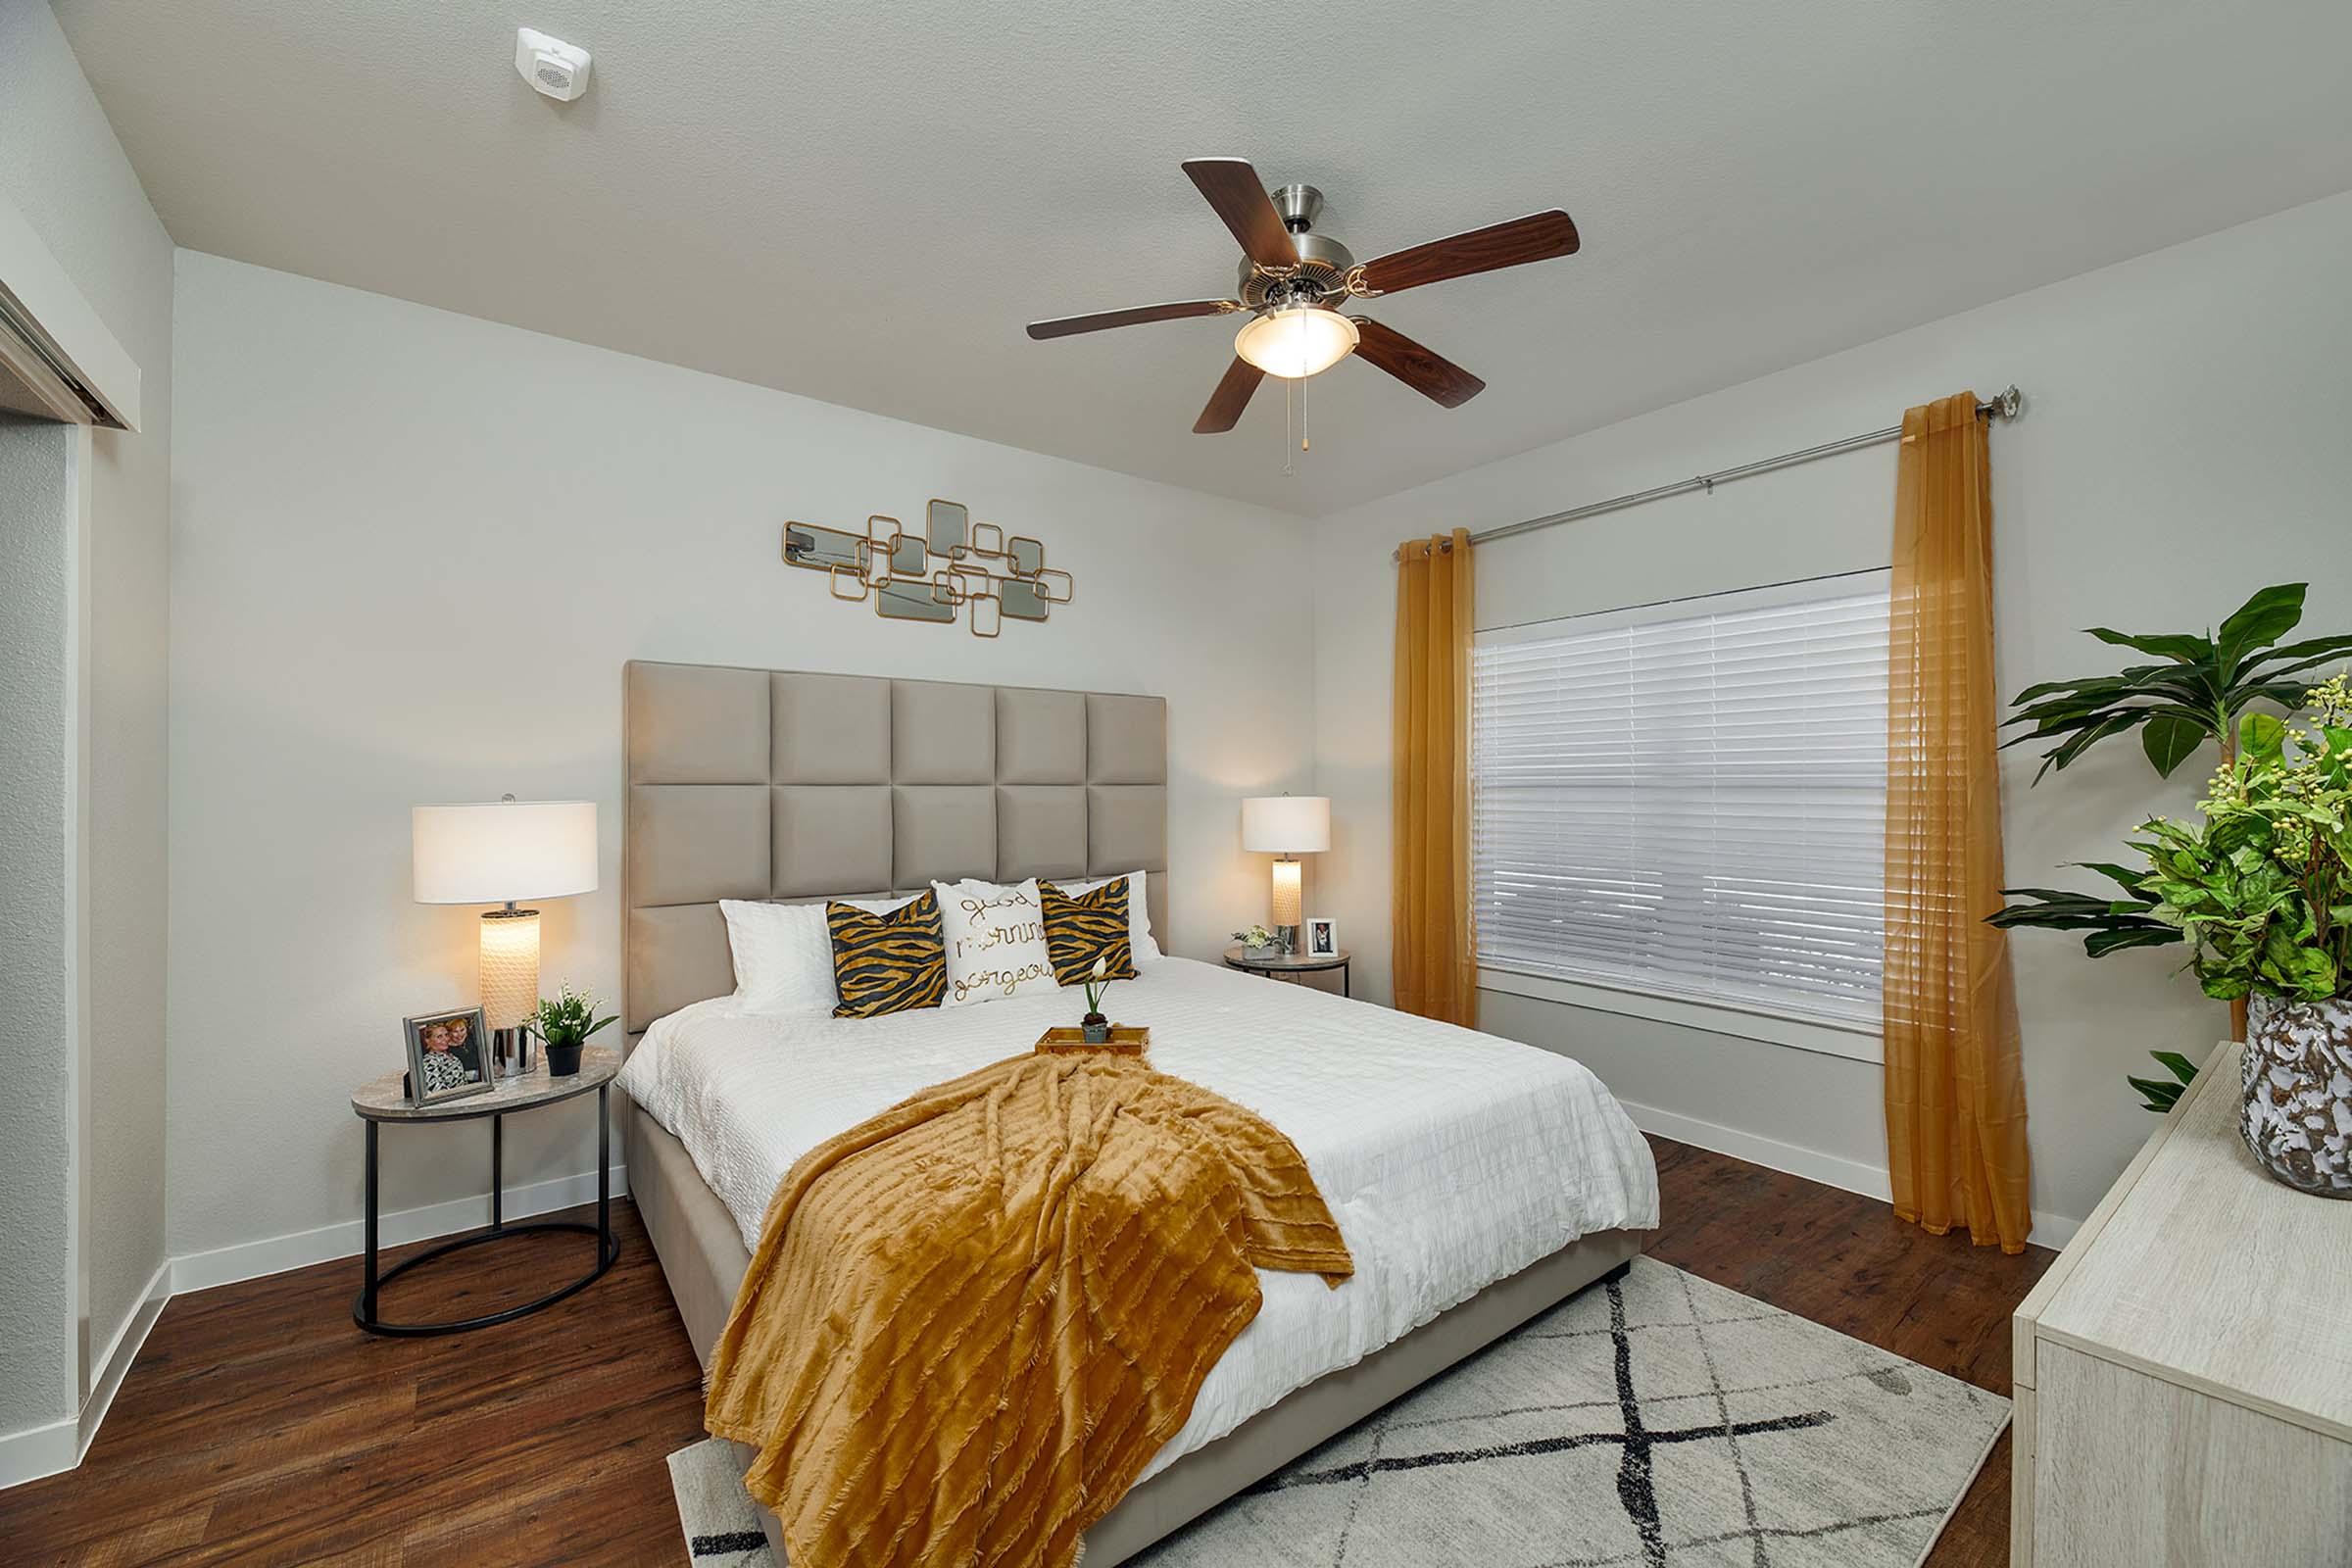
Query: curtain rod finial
{"x": 2008, "y": 403}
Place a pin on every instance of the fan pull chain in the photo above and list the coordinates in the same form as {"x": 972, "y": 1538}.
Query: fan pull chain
{"x": 1289, "y": 470}
{"x": 1303, "y": 412}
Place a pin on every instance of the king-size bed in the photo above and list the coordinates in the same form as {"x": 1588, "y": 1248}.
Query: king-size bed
{"x": 1475, "y": 1181}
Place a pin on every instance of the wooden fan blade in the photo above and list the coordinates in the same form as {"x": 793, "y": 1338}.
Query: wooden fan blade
{"x": 1232, "y": 396}
{"x": 1536, "y": 238}
{"x": 1066, "y": 325}
{"x": 1432, "y": 375}
{"x": 1240, "y": 197}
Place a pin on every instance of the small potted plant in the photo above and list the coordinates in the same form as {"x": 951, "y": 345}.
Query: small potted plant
{"x": 564, "y": 1027}
{"x": 1255, "y": 941}
{"x": 1097, "y": 1028}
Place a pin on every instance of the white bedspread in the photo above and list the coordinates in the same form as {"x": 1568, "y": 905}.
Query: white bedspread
{"x": 1450, "y": 1158}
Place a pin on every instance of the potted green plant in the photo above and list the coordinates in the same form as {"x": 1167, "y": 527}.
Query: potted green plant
{"x": 564, "y": 1026}
{"x": 2197, "y": 694}
{"x": 1094, "y": 1027}
{"x": 2260, "y": 889}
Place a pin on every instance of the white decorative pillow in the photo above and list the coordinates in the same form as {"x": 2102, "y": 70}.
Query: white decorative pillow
{"x": 1139, "y": 913}
{"x": 996, "y": 937}
{"x": 783, "y": 956}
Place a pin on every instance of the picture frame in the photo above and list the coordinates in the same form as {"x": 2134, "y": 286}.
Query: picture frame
{"x": 1322, "y": 936}
{"x": 450, "y": 1056}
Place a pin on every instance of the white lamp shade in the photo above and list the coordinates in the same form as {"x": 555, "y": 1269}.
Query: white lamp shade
{"x": 1286, "y": 824}
{"x": 506, "y": 850}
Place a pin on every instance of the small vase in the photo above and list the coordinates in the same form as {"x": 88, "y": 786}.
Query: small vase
{"x": 1096, "y": 1028}
{"x": 2298, "y": 1078}
{"x": 563, "y": 1061}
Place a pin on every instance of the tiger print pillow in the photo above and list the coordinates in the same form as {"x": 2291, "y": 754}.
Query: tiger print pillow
{"x": 1081, "y": 927}
{"x": 887, "y": 962}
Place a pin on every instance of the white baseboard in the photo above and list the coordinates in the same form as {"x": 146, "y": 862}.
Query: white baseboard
{"x": 115, "y": 1364}
{"x": 274, "y": 1254}
{"x": 59, "y": 1446}
{"x": 47, "y": 1450}
{"x": 38, "y": 1451}
{"x": 1831, "y": 1170}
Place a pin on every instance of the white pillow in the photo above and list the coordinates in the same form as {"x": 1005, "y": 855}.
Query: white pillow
{"x": 1139, "y": 913}
{"x": 783, "y": 956}
{"x": 880, "y": 905}
{"x": 996, "y": 936}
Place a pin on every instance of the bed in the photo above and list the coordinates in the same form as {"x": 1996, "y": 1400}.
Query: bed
{"x": 1477, "y": 1181}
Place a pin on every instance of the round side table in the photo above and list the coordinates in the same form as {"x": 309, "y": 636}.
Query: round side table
{"x": 1288, "y": 965}
{"x": 382, "y": 1101}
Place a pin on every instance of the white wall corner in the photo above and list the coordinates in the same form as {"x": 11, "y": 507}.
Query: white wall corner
{"x": 115, "y": 1364}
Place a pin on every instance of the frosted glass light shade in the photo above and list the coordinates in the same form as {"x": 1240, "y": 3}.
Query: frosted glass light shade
{"x": 509, "y": 967}
{"x": 503, "y": 851}
{"x": 1302, "y": 341}
{"x": 1286, "y": 824}
{"x": 1285, "y": 893}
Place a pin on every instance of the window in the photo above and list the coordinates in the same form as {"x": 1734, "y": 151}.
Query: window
{"x": 1689, "y": 800}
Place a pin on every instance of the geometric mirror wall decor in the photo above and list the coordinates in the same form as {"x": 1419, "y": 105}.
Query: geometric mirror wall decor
{"x": 950, "y": 565}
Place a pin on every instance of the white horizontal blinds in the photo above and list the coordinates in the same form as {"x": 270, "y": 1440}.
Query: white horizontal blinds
{"x": 1689, "y": 798}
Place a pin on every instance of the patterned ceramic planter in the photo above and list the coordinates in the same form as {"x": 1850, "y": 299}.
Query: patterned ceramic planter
{"x": 2298, "y": 1117}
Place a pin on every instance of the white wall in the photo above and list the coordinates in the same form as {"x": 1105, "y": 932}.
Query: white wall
{"x": 2182, "y": 445}
{"x": 38, "y": 1017}
{"x": 414, "y": 551}
{"x": 63, "y": 171}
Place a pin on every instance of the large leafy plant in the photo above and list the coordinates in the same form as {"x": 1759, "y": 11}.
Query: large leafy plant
{"x": 2202, "y": 689}
{"x": 2200, "y": 692}
{"x": 2197, "y": 694}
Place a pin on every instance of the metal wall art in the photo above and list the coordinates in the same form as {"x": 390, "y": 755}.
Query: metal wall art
{"x": 952, "y": 564}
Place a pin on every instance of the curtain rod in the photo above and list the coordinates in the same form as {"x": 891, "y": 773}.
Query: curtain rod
{"x": 2004, "y": 404}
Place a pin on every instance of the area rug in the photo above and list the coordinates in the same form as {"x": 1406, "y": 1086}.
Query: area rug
{"x": 1656, "y": 1421}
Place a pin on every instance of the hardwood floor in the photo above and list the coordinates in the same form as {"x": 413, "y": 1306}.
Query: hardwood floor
{"x": 260, "y": 1426}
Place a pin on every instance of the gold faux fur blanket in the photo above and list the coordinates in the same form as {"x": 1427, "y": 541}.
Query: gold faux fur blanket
{"x": 972, "y": 1320}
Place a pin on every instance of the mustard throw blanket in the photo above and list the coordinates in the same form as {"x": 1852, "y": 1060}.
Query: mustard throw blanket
{"x": 972, "y": 1320}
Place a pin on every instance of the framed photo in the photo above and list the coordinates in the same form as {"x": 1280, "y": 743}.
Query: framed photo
{"x": 1322, "y": 938}
{"x": 449, "y": 1056}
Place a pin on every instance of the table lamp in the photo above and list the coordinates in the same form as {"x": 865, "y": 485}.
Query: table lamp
{"x": 1287, "y": 825}
{"x": 499, "y": 853}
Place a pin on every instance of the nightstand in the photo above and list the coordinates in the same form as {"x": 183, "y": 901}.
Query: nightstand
{"x": 1288, "y": 965}
{"x": 384, "y": 1102}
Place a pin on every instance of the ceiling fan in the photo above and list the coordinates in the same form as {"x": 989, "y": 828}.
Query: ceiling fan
{"x": 1293, "y": 278}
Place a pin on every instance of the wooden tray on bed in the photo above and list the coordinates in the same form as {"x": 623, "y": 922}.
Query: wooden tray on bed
{"x": 1126, "y": 1040}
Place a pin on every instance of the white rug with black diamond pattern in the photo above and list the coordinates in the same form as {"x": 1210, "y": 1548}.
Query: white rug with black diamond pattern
{"x": 1656, "y": 1421}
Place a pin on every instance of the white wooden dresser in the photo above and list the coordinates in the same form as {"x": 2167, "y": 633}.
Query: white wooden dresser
{"x": 2185, "y": 1369}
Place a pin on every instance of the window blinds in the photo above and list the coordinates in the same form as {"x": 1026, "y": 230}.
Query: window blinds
{"x": 1689, "y": 798}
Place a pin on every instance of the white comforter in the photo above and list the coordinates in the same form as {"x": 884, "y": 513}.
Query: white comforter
{"x": 1450, "y": 1158}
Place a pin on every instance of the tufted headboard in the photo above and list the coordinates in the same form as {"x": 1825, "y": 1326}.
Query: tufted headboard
{"x": 772, "y": 784}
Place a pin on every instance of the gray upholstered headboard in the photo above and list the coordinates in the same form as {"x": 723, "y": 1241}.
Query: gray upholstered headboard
{"x": 770, "y": 784}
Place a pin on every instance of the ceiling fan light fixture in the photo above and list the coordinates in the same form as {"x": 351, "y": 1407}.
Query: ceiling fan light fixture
{"x": 1297, "y": 342}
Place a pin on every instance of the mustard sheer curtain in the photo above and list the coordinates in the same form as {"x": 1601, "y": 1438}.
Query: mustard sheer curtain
{"x": 1435, "y": 960}
{"x": 1955, "y": 1086}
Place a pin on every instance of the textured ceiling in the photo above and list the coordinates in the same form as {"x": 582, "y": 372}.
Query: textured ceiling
{"x": 866, "y": 202}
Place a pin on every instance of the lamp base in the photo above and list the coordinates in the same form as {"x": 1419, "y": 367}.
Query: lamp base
{"x": 514, "y": 1048}
{"x": 1288, "y": 937}
{"x": 510, "y": 981}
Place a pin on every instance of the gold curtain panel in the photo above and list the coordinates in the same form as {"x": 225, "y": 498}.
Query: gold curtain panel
{"x": 1955, "y": 1086}
{"x": 1435, "y": 959}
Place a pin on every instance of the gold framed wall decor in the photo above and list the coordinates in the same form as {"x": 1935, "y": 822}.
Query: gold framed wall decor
{"x": 954, "y": 569}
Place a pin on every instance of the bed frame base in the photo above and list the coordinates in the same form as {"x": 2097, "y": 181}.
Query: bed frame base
{"x": 703, "y": 1260}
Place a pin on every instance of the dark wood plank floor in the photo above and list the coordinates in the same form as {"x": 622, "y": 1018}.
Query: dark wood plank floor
{"x": 260, "y": 1426}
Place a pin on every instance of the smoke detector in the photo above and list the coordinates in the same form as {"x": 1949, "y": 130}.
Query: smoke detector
{"x": 554, "y": 69}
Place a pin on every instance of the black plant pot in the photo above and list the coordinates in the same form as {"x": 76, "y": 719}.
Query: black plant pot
{"x": 562, "y": 1061}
